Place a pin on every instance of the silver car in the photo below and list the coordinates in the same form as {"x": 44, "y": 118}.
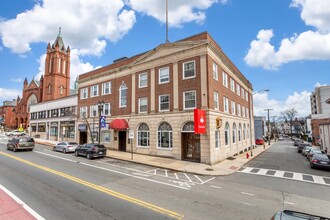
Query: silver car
{"x": 65, "y": 147}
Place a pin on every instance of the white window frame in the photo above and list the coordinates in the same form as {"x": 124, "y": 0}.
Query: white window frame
{"x": 225, "y": 79}
{"x": 94, "y": 91}
{"x": 184, "y": 70}
{"x": 233, "y": 107}
{"x": 121, "y": 88}
{"x": 184, "y": 100}
{"x": 83, "y": 112}
{"x": 215, "y": 71}
{"x": 93, "y": 111}
{"x": 143, "y": 80}
{"x": 141, "y": 99}
{"x": 225, "y": 104}
{"x": 238, "y": 89}
{"x": 217, "y": 139}
{"x": 84, "y": 93}
{"x": 106, "y": 86}
{"x": 232, "y": 85}
{"x": 243, "y": 93}
{"x": 227, "y": 134}
{"x": 107, "y": 109}
{"x": 238, "y": 109}
{"x": 159, "y": 103}
{"x": 168, "y": 75}
{"x": 243, "y": 111}
{"x": 216, "y": 100}
{"x": 234, "y": 133}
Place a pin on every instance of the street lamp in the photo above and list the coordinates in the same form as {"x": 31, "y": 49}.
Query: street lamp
{"x": 251, "y": 97}
{"x": 100, "y": 105}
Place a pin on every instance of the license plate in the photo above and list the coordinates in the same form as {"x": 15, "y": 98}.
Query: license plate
{"x": 322, "y": 162}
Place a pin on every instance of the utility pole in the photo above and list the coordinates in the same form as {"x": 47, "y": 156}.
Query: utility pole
{"x": 268, "y": 109}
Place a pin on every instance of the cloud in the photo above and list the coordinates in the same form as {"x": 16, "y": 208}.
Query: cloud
{"x": 87, "y": 25}
{"x": 299, "y": 101}
{"x": 19, "y": 80}
{"x": 319, "y": 84}
{"x": 308, "y": 45}
{"x": 179, "y": 11}
{"x": 9, "y": 94}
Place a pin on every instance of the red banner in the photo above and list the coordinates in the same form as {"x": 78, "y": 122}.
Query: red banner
{"x": 199, "y": 121}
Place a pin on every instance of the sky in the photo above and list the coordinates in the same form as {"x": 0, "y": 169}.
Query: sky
{"x": 279, "y": 45}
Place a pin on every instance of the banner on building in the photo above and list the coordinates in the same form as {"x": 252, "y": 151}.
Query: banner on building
{"x": 199, "y": 121}
{"x": 103, "y": 122}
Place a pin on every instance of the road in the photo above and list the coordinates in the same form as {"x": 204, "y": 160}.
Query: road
{"x": 62, "y": 186}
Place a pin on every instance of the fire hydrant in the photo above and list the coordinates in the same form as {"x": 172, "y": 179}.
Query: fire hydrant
{"x": 247, "y": 155}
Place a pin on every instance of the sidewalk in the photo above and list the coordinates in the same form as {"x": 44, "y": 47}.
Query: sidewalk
{"x": 225, "y": 167}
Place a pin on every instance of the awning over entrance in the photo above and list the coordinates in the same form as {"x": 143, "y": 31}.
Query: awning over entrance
{"x": 119, "y": 124}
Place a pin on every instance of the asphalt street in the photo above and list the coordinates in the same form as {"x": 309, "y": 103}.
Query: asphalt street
{"x": 62, "y": 186}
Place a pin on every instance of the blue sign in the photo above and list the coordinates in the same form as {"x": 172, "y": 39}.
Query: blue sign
{"x": 103, "y": 122}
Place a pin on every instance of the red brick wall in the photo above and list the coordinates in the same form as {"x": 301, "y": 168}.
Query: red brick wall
{"x": 316, "y": 128}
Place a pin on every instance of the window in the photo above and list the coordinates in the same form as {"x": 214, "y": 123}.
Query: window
{"x": 93, "y": 110}
{"x": 238, "y": 89}
{"x": 225, "y": 79}
{"x": 225, "y": 104}
{"x": 217, "y": 139}
{"x": 143, "y": 105}
{"x": 215, "y": 71}
{"x": 227, "y": 134}
{"x": 248, "y": 132}
{"x": 247, "y": 113}
{"x": 189, "y": 100}
{"x": 243, "y": 93}
{"x": 123, "y": 95}
{"x": 232, "y": 85}
{"x": 238, "y": 109}
{"x": 105, "y": 136}
{"x": 64, "y": 67}
{"x": 239, "y": 132}
{"x": 189, "y": 69}
{"x": 106, "y": 88}
{"x": 216, "y": 100}
{"x": 61, "y": 90}
{"x": 247, "y": 96}
{"x": 244, "y": 132}
{"x": 243, "y": 111}
{"x": 143, "y": 135}
{"x": 106, "y": 109}
{"x": 233, "y": 107}
{"x": 49, "y": 89}
{"x": 83, "y": 112}
{"x": 164, "y": 103}
{"x": 165, "y": 135}
{"x": 84, "y": 93}
{"x": 94, "y": 90}
{"x": 59, "y": 65}
{"x": 234, "y": 133}
{"x": 143, "y": 80}
{"x": 164, "y": 75}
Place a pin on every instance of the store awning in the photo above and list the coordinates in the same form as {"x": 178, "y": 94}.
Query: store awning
{"x": 118, "y": 124}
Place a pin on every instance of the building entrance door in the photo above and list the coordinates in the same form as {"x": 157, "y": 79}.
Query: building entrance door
{"x": 191, "y": 147}
{"x": 122, "y": 140}
{"x": 83, "y": 137}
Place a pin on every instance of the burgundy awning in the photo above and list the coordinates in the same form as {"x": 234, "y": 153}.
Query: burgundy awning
{"x": 118, "y": 124}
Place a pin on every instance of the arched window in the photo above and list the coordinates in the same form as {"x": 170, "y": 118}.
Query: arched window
{"x": 123, "y": 95}
{"x": 165, "y": 135}
{"x": 188, "y": 127}
{"x": 143, "y": 135}
{"x": 227, "y": 132}
{"x": 248, "y": 132}
{"x": 244, "y": 132}
{"x": 31, "y": 100}
{"x": 49, "y": 89}
{"x": 61, "y": 90}
{"x": 239, "y": 132}
{"x": 234, "y": 133}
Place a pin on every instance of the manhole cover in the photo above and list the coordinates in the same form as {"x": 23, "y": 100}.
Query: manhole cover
{"x": 209, "y": 169}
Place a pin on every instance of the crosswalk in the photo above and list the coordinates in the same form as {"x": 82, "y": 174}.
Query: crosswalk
{"x": 287, "y": 175}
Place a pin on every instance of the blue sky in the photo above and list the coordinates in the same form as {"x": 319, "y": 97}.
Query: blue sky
{"x": 280, "y": 45}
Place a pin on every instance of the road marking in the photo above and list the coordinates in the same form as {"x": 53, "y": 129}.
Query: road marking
{"x": 289, "y": 203}
{"x": 279, "y": 173}
{"x": 218, "y": 187}
{"x": 247, "y": 170}
{"x": 100, "y": 188}
{"x": 249, "y": 194}
{"x": 176, "y": 176}
{"x": 19, "y": 201}
{"x": 245, "y": 203}
{"x": 262, "y": 171}
{"x": 297, "y": 176}
{"x": 187, "y": 177}
{"x": 318, "y": 179}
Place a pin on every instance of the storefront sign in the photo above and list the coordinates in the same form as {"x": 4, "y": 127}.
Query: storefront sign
{"x": 199, "y": 121}
{"x": 82, "y": 127}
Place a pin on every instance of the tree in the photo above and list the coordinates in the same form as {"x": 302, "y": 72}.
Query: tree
{"x": 289, "y": 116}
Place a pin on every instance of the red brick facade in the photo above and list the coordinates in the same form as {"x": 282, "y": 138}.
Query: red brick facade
{"x": 316, "y": 128}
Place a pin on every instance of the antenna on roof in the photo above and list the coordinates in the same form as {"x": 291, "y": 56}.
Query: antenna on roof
{"x": 167, "y": 41}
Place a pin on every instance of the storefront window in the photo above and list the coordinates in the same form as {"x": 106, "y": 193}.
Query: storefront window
{"x": 105, "y": 136}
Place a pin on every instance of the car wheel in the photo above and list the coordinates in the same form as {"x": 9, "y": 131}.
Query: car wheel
{"x": 54, "y": 148}
{"x": 14, "y": 149}
{"x": 64, "y": 151}
{"x": 88, "y": 156}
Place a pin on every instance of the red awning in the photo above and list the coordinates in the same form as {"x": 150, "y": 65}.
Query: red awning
{"x": 119, "y": 124}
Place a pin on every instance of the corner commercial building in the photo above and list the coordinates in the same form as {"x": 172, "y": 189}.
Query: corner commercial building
{"x": 154, "y": 94}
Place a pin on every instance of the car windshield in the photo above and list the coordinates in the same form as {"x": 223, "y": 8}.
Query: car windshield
{"x": 73, "y": 143}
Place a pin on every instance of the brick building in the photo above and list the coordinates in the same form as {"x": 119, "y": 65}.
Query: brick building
{"x": 7, "y": 115}
{"x": 154, "y": 94}
{"x": 54, "y": 84}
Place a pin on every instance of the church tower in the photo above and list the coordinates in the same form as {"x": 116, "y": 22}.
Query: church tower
{"x": 56, "y": 80}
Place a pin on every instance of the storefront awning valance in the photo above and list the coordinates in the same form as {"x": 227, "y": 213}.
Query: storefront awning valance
{"x": 118, "y": 124}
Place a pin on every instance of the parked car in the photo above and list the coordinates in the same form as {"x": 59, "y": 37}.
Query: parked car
{"x": 20, "y": 143}
{"x": 312, "y": 152}
{"x": 302, "y": 146}
{"x": 297, "y": 142}
{"x": 91, "y": 151}
{"x": 294, "y": 215}
{"x": 16, "y": 133}
{"x": 306, "y": 150}
{"x": 259, "y": 141}
{"x": 280, "y": 138}
{"x": 320, "y": 161}
{"x": 65, "y": 147}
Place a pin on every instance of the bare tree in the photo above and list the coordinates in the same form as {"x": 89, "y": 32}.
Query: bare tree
{"x": 289, "y": 116}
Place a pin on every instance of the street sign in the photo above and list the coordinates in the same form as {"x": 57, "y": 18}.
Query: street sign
{"x": 131, "y": 134}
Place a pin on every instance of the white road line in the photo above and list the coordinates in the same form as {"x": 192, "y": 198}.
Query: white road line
{"x": 279, "y": 173}
{"x": 197, "y": 177}
{"x": 318, "y": 179}
{"x": 262, "y": 171}
{"x": 247, "y": 170}
{"x": 290, "y": 203}
{"x": 166, "y": 173}
{"x": 25, "y": 206}
{"x": 297, "y": 176}
{"x": 118, "y": 172}
{"x": 218, "y": 187}
{"x": 248, "y": 194}
{"x": 208, "y": 180}
{"x": 187, "y": 177}
{"x": 141, "y": 174}
{"x": 245, "y": 203}
{"x": 176, "y": 176}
